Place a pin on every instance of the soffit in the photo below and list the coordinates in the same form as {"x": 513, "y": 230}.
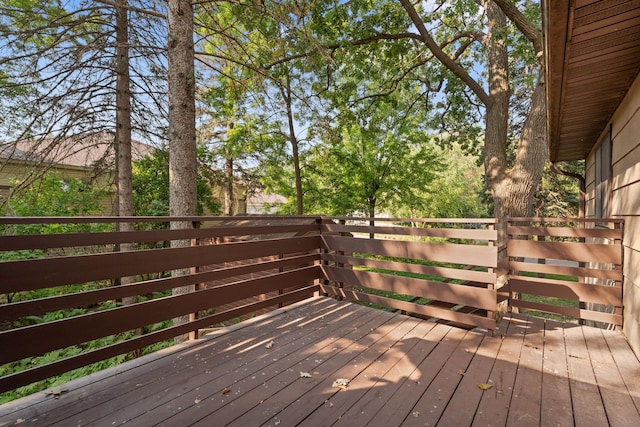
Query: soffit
{"x": 592, "y": 50}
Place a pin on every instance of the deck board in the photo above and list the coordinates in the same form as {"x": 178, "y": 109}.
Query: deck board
{"x": 556, "y": 393}
{"x": 402, "y": 371}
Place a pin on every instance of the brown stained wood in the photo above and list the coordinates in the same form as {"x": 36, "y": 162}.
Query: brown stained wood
{"x": 365, "y": 374}
{"x": 493, "y": 408}
{"x": 567, "y": 251}
{"x": 444, "y": 272}
{"x": 321, "y": 366}
{"x": 19, "y": 379}
{"x": 451, "y": 233}
{"x": 424, "y": 310}
{"x": 463, "y": 405}
{"x": 605, "y": 233}
{"x": 239, "y": 373}
{"x": 556, "y": 393}
{"x": 352, "y": 362}
{"x": 525, "y": 404}
{"x": 347, "y": 347}
{"x": 142, "y": 377}
{"x": 576, "y": 291}
{"x": 434, "y": 400}
{"x": 367, "y": 409}
{"x": 619, "y": 406}
{"x": 395, "y": 410}
{"x": 43, "y": 273}
{"x": 486, "y": 221}
{"x": 566, "y": 271}
{"x": 441, "y": 291}
{"x": 66, "y": 240}
{"x": 626, "y": 362}
{"x": 33, "y": 307}
{"x": 441, "y": 252}
{"x": 402, "y": 366}
{"x": 38, "y": 339}
{"x": 588, "y": 408}
{"x": 597, "y": 316}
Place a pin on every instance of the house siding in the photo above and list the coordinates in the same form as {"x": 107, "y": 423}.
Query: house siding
{"x": 625, "y": 200}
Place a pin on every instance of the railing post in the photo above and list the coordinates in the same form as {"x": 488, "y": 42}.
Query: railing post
{"x": 195, "y": 334}
{"x": 491, "y": 286}
{"x": 618, "y": 242}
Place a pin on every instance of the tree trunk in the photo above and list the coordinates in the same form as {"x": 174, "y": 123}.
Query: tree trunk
{"x": 294, "y": 149}
{"x": 124, "y": 187}
{"x": 228, "y": 186}
{"x": 372, "y": 215}
{"x": 512, "y": 189}
{"x": 182, "y": 130}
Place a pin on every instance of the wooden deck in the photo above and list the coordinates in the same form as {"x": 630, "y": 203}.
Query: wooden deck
{"x": 401, "y": 371}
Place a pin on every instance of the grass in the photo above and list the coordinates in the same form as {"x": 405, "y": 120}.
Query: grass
{"x": 552, "y": 301}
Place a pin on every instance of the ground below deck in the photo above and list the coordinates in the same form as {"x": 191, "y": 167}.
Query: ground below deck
{"x": 280, "y": 369}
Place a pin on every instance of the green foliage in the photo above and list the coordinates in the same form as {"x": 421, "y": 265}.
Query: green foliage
{"x": 151, "y": 184}
{"x": 457, "y": 193}
{"x": 559, "y": 195}
{"x": 51, "y": 195}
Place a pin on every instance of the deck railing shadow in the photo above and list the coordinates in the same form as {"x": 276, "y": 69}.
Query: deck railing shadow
{"x": 62, "y": 304}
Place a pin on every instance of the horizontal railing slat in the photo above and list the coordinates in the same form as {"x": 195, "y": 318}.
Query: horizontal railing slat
{"x": 16, "y": 310}
{"x": 610, "y": 295}
{"x": 568, "y": 251}
{"x": 217, "y": 220}
{"x": 58, "y": 367}
{"x": 39, "y": 339}
{"x": 607, "y": 233}
{"x": 566, "y": 270}
{"x": 48, "y": 241}
{"x": 28, "y": 275}
{"x": 445, "y": 272}
{"x": 440, "y": 252}
{"x": 457, "y": 294}
{"x": 597, "y": 316}
{"x": 452, "y": 233}
{"x": 424, "y": 310}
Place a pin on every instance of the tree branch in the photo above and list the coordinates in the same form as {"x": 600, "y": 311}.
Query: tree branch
{"x": 135, "y": 9}
{"x": 442, "y": 56}
{"x": 533, "y": 33}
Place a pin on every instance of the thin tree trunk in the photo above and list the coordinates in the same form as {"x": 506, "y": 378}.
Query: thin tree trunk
{"x": 294, "y": 148}
{"x": 124, "y": 188}
{"x": 182, "y": 135}
{"x": 228, "y": 186}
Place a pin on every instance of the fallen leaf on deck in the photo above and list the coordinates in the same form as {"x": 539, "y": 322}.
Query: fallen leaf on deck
{"x": 485, "y": 386}
{"x": 197, "y": 401}
{"x": 19, "y": 420}
{"x": 56, "y": 393}
{"x": 226, "y": 391}
{"x": 461, "y": 372}
{"x": 305, "y": 374}
{"x": 341, "y": 383}
{"x": 269, "y": 344}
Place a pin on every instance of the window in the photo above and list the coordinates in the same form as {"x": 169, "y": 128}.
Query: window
{"x": 603, "y": 175}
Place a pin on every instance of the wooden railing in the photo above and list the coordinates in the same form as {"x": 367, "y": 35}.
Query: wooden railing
{"x": 59, "y": 287}
{"x": 443, "y": 268}
{"x": 83, "y": 267}
{"x": 568, "y": 267}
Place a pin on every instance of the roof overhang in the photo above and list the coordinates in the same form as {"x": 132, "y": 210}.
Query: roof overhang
{"x": 592, "y": 50}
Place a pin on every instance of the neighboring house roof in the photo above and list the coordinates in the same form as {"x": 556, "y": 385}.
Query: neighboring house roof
{"x": 592, "y": 53}
{"x": 85, "y": 151}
